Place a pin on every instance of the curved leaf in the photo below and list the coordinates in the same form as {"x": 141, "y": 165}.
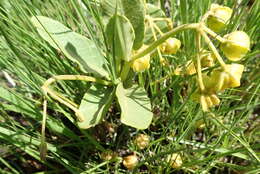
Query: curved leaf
{"x": 135, "y": 106}
{"x": 75, "y": 46}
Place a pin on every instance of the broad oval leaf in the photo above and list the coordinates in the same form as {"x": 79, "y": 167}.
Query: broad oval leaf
{"x": 134, "y": 10}
{"x": 76, "y": 47}
{"x": 135, "y": 106}
{"x": 95, "y": 104}
{"x": 120, "y": 35}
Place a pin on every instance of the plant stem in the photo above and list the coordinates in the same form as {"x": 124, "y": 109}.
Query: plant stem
{"x": 200, "y": 80}
{"x": 212, "y": 33}
{"x": 125, "y": 71}
{"x": 213, "y": 49}
{"x": 167, "y": 35}
{"x": 73, "y": 106}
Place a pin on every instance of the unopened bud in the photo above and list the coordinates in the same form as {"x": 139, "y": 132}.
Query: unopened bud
{"x": 170, "y": 46}
{"x": 141, "y": 64}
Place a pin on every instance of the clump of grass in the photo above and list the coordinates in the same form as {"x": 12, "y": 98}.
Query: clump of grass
{"x": 225, "y": 141}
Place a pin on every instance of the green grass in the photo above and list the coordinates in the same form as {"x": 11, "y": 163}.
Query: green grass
{"x": 228, "y": 143}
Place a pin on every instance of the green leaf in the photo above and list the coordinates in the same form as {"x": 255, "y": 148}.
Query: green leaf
{"x": 134, "y": 10}
{"x": 76, "y": 47}
{"x": 135, "y": 106}
{"x": 120, "y": 35}
{"x": 95, "y": 104}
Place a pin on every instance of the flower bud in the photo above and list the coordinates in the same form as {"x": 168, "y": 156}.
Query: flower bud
{"x": 175, "y": 160}
{"x": 237, "y": 44}
{"x": 218, "y": 17}
{"x": 142, "y": 141}
{"x": 130, "y": 161}
{"x": 170, "y": 46}
{"x": 141, "y": 64}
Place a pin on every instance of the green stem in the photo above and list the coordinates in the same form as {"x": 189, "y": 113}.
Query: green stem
{"x": 214, "y": 50}
{"x": 167, "y": 35}
{"x": 125, "y": 71}
{"x": 43, "y": 145}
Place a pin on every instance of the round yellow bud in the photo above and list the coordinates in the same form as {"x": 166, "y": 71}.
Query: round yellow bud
{"x": 219, "y": 16}
{"x": 142, "y": 141}
{"x": 130, "y": 161}
{"x": 141, "y": 64}
{"x": 170, "y": 46}
{"x": 236, "y": 46}
{"x": 175, "y": 160}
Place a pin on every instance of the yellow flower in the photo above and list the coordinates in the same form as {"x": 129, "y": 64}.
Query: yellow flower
{"x": 237, "y": 44}
{"x": 141, "y": 64}
{"x": 170, "y": 46}
{"x": 227, "y": 79}
{"x": 219, "y": 16}
{"x": 206, "y": 100}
